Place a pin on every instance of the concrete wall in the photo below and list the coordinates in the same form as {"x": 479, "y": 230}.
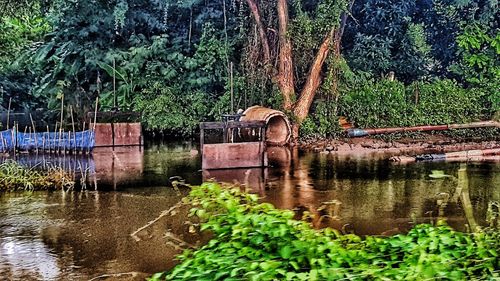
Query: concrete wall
{"x": 234, "y": 155}
{"x": 118, "y": 134}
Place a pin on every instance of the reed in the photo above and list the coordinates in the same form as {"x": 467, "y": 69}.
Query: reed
{"x": 16, "y": 177}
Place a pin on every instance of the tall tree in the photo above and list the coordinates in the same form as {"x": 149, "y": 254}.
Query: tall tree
{"x": 323, "y": 22}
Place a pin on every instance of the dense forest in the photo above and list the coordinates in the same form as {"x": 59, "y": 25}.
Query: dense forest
{"x": 376, "y": 62}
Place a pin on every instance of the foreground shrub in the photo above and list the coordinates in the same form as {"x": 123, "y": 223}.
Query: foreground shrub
{"x": 255, "y": 241}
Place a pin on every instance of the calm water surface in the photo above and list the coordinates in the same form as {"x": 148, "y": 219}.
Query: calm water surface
{"x": 80, "y": 235}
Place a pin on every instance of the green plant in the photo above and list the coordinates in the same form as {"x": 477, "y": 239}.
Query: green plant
{"x": 17, "y": 34}
{"x": 322, "y": 122}
{"x": 390, "y": 103}
{"x": 255, "y": 241}
{"x": 16, "y": 177}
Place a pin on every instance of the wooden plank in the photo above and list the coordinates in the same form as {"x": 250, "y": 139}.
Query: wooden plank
{"x": 232, "y": 125}
{"x": 233, "y": 155}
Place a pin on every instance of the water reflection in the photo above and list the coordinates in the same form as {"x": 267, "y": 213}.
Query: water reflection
{"x": 78, "y": 235}
{"x": 370, "y": 196}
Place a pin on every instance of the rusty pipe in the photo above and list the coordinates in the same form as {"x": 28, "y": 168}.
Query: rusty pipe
{"x": 355, "y": 132}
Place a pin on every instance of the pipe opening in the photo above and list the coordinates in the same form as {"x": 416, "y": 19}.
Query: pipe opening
{"x": 277, "y": 130}
{"x": 278, "y": 126}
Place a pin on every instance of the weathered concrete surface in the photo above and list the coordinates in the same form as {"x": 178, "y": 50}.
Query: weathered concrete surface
{"x": 118, "y": 134}
{"x": 128, "y": 133}
{"x": 103, "y": 134}
{"x": 278, "y": 131}
{"x": 234, "y": 155}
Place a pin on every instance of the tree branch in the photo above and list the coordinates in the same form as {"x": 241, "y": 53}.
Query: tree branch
{"x": 262, "y": 31}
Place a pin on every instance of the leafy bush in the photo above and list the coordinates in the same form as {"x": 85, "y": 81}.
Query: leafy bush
{"x": 390, "y": 103}
{"x": 17, "y": 33}
{"x": 166, "y": 108}
{"x": 379, "y": 104}
{"x": 255, "y": 241}
{"x": 321, "y": 122}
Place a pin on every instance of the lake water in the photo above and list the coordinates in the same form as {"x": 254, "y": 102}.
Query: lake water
{"x": 80, "y": 235}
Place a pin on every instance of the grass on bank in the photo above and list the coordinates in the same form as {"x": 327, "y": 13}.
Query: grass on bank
{"x": 16, "y": 177}
{"x": 256, "y": 241}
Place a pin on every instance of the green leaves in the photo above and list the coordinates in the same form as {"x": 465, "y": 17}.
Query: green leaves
{"x": 286, "y": 252}
{"x": 390, "y": 103}
{"x": 254, "y": 241}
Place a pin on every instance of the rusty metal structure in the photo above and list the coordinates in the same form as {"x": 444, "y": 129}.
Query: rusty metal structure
{"x": 116, "y": 128}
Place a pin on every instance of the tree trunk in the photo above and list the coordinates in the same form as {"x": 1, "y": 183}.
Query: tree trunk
{"x": 301, "y": 108}
{"x": 285, "y": 71}
{"x": 262, "y": 31}
{"x": 337, "y": 40}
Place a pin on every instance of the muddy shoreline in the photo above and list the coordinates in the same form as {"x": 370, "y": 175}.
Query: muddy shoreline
{"x": 425, "y": 144}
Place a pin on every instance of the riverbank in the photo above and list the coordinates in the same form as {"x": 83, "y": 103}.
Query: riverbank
{"x": 419, "y": 143}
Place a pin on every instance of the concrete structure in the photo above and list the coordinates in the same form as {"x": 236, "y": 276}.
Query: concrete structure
{"x": 118, "y": 134}
{"x": 230, "y": 153}
{"x": 279, "y": 131}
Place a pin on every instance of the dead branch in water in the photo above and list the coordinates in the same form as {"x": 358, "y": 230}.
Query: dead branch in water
{"x": 162, "y": 214}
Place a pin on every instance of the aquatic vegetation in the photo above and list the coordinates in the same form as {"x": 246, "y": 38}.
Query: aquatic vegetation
{"x": 256, "y": 241}
{"x": 438, "y": 174}
{"x": 16, "y": 177}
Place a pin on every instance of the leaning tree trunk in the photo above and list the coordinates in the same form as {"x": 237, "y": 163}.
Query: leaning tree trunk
{"x": 285, "y": 71}
{"x": 302, "y": 106}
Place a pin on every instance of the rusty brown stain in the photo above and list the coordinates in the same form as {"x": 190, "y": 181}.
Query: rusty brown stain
{"x": 103, "y": 134}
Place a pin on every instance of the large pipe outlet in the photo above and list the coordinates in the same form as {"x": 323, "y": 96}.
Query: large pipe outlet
{"x": 278, "y": 126}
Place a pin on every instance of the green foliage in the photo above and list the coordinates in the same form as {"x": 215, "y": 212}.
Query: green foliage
{"x": 168, "y": 109}
{"x": 175, "y": 91}
{"x": 322, "y": 122}
{"x": 309, "y": 28}
{"x": 255, "y": 241}
{"x": 179, "y": 53}
{"x": 17, "y": 33}
{"x": 480, "y": 53}
{"x": 480, "y": 63}
{"x": 390, "y": 103}
{"x": 9, "y": 8}
{"x": 388, "y": 36}
{"x": 96, "y": 42}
